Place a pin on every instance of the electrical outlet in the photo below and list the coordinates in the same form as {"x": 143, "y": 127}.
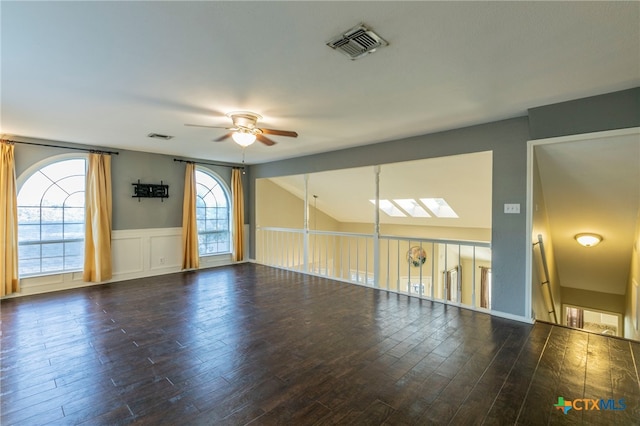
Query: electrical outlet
{"x": 162, "y": 260}
{"x": 512, "y": 208}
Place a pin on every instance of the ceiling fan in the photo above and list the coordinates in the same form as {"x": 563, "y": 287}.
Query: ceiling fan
{"x": 244, "y": 131}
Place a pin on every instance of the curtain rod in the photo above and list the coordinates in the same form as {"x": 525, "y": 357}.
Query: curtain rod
{"x": 210, "y": 164}
{"x": 94, "y": 151}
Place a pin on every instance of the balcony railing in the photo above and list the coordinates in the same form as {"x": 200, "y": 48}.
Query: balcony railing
{"x": 449, "y": 271}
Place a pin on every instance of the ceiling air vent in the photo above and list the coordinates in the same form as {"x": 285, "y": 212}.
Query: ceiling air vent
{"x": 357, "y": 42}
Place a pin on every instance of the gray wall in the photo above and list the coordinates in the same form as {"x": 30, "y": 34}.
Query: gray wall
{"x": 508, "y": 141}
{"x": 126, "y": 168}
{"x": 617, "y": 110}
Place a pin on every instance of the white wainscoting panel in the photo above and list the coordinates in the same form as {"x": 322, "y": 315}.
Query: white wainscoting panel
{"x": 136, "y": 253}
{"x": 127, "y": 254}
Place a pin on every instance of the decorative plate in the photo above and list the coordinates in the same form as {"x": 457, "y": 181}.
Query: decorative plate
{"x": 416, "y": 256}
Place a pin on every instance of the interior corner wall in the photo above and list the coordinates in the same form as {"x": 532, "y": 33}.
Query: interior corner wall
{"x": 506, "y": 139}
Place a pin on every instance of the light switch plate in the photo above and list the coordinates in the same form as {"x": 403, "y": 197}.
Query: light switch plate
{"x": 512, "y": 208}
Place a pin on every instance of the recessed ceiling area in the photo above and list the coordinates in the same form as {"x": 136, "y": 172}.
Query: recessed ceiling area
{"x": 464, "y": 181}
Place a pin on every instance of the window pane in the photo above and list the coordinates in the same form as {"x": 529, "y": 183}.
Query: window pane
{"x": 213, "y": 215}
{"x": 201, "y": 213}
{"x": 205, "y": 179}
{"x": 31, "y": 251}
{"x": 62, "y": 169}
{"x": 28, "y": 215}
{"x": 51, "y": 232}
{"x": 31, "y": 191}
{"x": 51, "y": 215}
{"x": 219, "y": 195}
{"x": 50, "y": 208}
{"x": 72, "y": 184}
{"x": 52, "y": 250}
{"x": 73, "y": 262}
{"x": 210, "y": 200}
{"x": 52, "y": 264}
{"x": 54, "y": 196}
{"x": 74, "y": 231}
{"x": 75, "y": 248}
{"x": 29, "y": 266}
{"x": 76, "y": 200}
{"x": 74, "y": 214}
{"x": 28, "y": 232}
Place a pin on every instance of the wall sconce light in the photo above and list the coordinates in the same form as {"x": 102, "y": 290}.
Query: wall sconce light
{"x": 588, "y": 240}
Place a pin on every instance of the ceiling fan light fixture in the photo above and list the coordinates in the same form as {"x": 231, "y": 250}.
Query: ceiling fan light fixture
{"x": 243, "y": 138}
{"x": 588, "y": 240}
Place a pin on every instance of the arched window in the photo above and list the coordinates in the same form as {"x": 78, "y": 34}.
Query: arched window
{"x": 51, "y": 218}
{"x": 212, "y": 214}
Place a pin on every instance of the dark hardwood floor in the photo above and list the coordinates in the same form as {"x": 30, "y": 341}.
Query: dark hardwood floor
{"x": 252, "y": 344}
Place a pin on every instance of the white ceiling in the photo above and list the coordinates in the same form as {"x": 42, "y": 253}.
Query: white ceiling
{"x": 109, "y": 73}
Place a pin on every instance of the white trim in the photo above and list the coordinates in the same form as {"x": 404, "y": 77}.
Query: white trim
{"x": 587, "y": 136}
{"x": 531, "y": 144}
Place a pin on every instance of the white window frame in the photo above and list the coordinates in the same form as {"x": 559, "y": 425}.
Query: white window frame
{"x": 22, "y": 179}
{"x": 227, "y": 193}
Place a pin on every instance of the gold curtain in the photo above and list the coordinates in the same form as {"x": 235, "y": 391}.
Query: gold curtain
{"x": 8, "y": 221}
{"x": 190, "y": 255}
{"x": 238, "y": 214}
{"x": 484, "y": 288}
{"x": 98, "y": 211}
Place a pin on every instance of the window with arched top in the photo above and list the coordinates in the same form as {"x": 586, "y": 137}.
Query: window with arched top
{"x": 51, "y": 218}
{"x": 212, "y": 214}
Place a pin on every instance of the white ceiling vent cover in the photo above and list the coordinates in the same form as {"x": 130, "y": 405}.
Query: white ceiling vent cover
{"x": 357, "y": 42}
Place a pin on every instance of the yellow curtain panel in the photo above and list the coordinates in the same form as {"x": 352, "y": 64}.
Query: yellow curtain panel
{"x": 8, "y": 221}
{"x": 190, "y": 254}
{"x": 238, "y": 214}
{"x": 98, "y": 217}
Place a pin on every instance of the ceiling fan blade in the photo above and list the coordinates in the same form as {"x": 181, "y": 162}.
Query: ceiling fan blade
{"x": 280, "y": 132}
{"x": 265, "y": 140}
{"x": 210, "y": 127}
{"x": 221, "y": 138}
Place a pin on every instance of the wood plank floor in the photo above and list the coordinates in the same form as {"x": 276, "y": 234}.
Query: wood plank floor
{"x": 249, "y": 344}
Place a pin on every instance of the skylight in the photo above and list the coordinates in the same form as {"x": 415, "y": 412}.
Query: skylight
{"x": 389, "y": 208}
{"x": 412, "y": 207}
{"x": 439, "y": 207}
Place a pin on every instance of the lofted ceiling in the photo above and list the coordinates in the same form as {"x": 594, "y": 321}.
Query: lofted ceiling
{"x": 464, "y": 181}
{"x": 109, "y": 73}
